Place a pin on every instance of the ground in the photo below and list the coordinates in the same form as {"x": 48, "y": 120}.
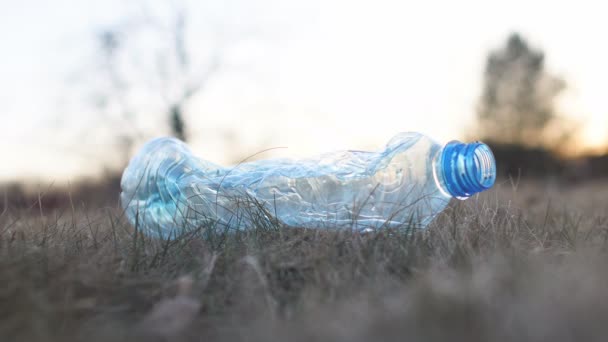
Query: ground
{"x": 525, "y": 261}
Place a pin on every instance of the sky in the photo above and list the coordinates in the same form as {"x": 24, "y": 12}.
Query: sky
{"x": 305, "y": 77}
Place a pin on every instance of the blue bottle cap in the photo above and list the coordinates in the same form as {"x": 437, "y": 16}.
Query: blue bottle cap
{"x": 467, "y": 168}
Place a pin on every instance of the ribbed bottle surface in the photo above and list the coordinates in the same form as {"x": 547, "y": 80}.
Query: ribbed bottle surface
{"x": 167, "y": 190}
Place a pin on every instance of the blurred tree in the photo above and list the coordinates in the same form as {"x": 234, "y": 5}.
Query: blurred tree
{"x": 150, "y": 64}
{"x": 517, "y": 105}
{"x": 147, "y": 67}
{"x": 176, "y": 82}
{"x": 177, "y": 122}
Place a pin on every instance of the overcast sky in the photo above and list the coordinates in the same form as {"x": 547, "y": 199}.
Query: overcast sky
{"x": 319, "y": 75}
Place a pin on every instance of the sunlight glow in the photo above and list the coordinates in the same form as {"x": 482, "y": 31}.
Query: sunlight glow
{"x": 336, "y": 75}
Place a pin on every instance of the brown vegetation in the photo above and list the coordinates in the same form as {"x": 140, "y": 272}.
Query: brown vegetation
{"x": 486, "y": 270}
{"x": 538, "y": 163}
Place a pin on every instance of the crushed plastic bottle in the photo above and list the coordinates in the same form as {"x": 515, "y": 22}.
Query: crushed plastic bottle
{"x": 167, "y": 190}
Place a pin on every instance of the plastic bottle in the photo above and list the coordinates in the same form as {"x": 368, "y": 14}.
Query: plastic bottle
{"x": 166, "y": 190}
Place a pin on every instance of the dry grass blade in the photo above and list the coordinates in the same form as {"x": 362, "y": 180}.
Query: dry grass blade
{"x": 493, "y": 268}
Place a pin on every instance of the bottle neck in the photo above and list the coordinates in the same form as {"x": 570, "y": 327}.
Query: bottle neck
{"x": 462, "y": 170}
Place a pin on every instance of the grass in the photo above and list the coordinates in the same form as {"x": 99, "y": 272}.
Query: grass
{"x": 523, "y": 262}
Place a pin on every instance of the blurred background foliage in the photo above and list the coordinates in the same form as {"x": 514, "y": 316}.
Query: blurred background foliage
{"x": 144, "y": 67}
{"x": 518, "y": 116}
{"x": 517, "y": 104}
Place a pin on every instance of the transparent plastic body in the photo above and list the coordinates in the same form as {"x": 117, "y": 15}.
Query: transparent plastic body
{"x": 168, "y": 190}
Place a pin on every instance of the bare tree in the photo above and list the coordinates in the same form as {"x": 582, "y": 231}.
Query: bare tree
{"x": 162, "y": 70}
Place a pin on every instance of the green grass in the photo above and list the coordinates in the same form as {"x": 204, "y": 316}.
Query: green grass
{"x": 520, "y": 263}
